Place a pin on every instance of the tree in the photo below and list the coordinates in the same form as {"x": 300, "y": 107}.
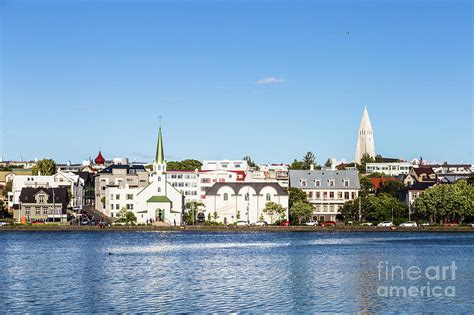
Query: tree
{"x": 192, "y": 207}
{"x": 184, "y": 165}
{"x": 8, "y": 188}
{"x": 215, "y": 216}
{"x": 392, "y": 187}
{"x": 127, "y": 217}
{"x": 274, "y": 209}
{"x": 297, "y": 165}
{"x": 446, "y": 202}
{"x": 250, "y": 162}
{"x": 378, "y": 158}
{"x": 44, "y": 167}
{"x": 302, "y": 210}
{"x": 328, "y": 163}
{"x": 366, "y": 186}
{"x": 295, "y": 194}
{"x": 366, "y": 158}
{"x": 309, "y": 159}
{"x": 374, "y": 208}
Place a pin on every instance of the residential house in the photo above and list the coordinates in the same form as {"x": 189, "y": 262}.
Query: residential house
{"x": 41, "y": 205}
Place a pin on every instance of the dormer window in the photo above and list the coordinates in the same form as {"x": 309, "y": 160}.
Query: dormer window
{"x": 41, "y": 199}
{"x": 317, "y": 183}
{"x": 304, "y": 183}
{"x": 331, "y": 182}
{"x": 346, "y": 182}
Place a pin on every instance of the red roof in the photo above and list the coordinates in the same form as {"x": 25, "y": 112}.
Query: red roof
{"x": 99, "y": 159}
{"x": 380, "y": 181}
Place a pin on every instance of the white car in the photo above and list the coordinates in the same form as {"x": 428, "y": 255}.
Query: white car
{"x": 472, "y": 224}
{"x": 366, "y": 224}
{"x": 258, "y": 223}
{"x": 242, "y": 223}
{"x": 312, "y": 223}
{"x": 3, "y": 223}
{"x": 386, "y": 224}
{"x": 409, "y": 224}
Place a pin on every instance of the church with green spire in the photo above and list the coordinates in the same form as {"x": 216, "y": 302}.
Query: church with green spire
{"x": 159, "y": 164}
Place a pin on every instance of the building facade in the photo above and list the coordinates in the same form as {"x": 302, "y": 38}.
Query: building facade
{"x": 327, "y": 190}
{"x": 391, "y": 168}
{"x": 41, "y": 205}
{"x": 244, "y": 201}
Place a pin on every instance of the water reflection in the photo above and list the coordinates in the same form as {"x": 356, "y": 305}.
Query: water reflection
{"x": 221, "y": 272}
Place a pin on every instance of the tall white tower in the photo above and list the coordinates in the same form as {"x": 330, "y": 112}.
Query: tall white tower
{"x": 365, "y": 142}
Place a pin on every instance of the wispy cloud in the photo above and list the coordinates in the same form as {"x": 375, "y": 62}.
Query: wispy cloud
{"x": 270, "y": 80}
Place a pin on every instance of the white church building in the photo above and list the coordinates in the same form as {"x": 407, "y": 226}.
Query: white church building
{"x": 158, "y": 201}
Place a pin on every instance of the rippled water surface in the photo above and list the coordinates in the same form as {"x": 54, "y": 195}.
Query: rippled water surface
{"x": 214, "y": 272}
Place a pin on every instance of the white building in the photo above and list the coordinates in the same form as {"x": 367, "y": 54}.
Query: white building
{"x": 155, "y": 200}
{"x": 244, "y": 201}
{"x": 327, "y": 190}
{"x": 228, "y": 165}
{"x": 61, "y": 179}
{"x": 391, "y": 168}
{"x": 365, "y": 141}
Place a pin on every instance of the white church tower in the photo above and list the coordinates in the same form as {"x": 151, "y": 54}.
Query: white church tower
{"x": 365, "y": 142}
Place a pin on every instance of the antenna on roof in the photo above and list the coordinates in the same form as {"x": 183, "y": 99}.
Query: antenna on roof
{"x": 159, "y": 118}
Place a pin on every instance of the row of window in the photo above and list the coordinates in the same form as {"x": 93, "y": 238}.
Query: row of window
{"x": 128, "y": 206}
{"x": 331, "y": 195}
{"x": 268, "y": 197}
{"x": 327, "y": 208}
{"x": 181, "y": 176}
{"x": 331, "y": 182}
{"x": 186, "y": 184}
{"x": 117, "y": 196}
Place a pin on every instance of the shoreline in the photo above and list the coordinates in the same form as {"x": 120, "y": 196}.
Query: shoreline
{"x": 273, "y": 229}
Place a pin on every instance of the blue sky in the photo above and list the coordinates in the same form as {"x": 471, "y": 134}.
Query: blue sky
{"x": 270, "y": 79}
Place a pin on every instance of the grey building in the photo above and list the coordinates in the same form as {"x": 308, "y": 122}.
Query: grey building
{"x": 327, "y": 189}
{"x": 42, "y": 205}
{"x": 121, "y": 176}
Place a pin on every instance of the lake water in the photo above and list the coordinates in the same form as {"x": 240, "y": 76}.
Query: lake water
{"x": 222, "y": 272}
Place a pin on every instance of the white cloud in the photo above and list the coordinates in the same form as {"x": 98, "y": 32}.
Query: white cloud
{"x": 270, "y": 80}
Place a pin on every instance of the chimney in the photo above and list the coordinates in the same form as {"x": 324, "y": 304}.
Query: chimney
{"x": 47, "y": 185}
{"x": 311, "y": 167}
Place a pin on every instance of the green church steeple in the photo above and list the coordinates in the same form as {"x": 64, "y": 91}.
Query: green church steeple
{"x": 160, "y": 155}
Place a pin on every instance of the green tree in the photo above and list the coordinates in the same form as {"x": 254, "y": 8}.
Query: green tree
{"x": 366, "y": 186}
{"x": 374, "y": 208}
{"x": 302, "y": 210}
{"x": 250, "y": 162}
{"x": 8, "y": 188}
{"x": 192, "y": 207}
{"x": 297, "y": 165}
{"x": 295, "y": 194}
{"x": 274, "y": 209}
{"x": 215, "y": 216}
{"x": 309, "y": 159}
{"x": 44, "y": 167}
{"x": 392, "y": 187}
{"x": 328, "y": 163}
{"x": 127, "y": 217}
{"x": 446, "y": 202}
{"x": 378, "y": 158}
{"x": 366, "y": 158}
{"x": 184, "y": 165}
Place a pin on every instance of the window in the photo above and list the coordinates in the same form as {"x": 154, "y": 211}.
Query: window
{"x": 331, "y": 195}
{"x": 310, "y": 195}
{"x": 129, "y": 206}
{"x": 346, "y": 195}
{"x": 41, "y": 199}
{"x": 111, "y": 207}
{"x": 159, "y": 178}
{"x": 268, "y": 197}
{"x": 38, "y": 210}
{"x": 346, "y": 182}
{"x": 45, "y": 211}
{"x": 339, "y": 195}
{"x": 331, "y": 182}
{"x": 226, "y": 196}
{"x": 317, "y": 195}
{"x": 129, "y": 196}
{"x": 317, "y": 182}
{"x": 117, "y": 196}
{"x": 247, "y": 197}
{"x": 325, "y": 195}
{"x": 353, "y": 195}
{"x": 117, "y": 207}
{"x": 304, "y": 182}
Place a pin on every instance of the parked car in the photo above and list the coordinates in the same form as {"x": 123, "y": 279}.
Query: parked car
{"x": 452, "y": 223}
{"x": 3, "y": 223}
{"x": 312, "y": 223}
{"x": 409, "y": 224}
{"x": 366, "y": 224}
{"x": 85, "y": 222}
{"x": 261, "y": 223}
{"x": 201, "y": 217}
{"x": 242, "y": 223}
{"x": 328, "y": 223}
{"x": 285, "y": 223}
{"x": 386, "y": 224}
{"x": 472, "y": 224}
